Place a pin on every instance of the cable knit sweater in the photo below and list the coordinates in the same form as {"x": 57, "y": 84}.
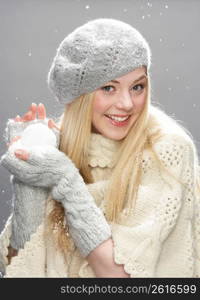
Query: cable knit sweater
{"x": 161, "y": 236}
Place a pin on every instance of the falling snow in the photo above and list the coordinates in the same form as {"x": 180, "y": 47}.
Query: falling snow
{"x": 87, "y": 7}
{"x": 166, "y": 6}
{"x": 143, "y": 17}
{"x": 29, "y": 54}
{"x": 149, "y": 4}
{"x": 125, "y": 9}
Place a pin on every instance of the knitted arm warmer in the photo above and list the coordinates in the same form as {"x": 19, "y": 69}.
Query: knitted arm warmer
{"x": 87, "y": 224}
{"x": 29, "y": 201}
{"x": 28, "y": 212}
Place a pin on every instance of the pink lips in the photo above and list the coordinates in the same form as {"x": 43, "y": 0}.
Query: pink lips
{"x": 117, "y": 123}
{"x": 120, "y": 116}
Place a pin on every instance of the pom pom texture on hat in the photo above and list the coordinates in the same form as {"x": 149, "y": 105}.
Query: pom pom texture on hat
{"x": 93, "y": 54}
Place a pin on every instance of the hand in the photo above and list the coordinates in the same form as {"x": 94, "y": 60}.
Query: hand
{"x": 36, "y": 114}
{"x": 31, "y": 115}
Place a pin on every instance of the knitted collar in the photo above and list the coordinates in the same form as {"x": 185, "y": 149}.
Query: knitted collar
{"x": 102, "y": 150}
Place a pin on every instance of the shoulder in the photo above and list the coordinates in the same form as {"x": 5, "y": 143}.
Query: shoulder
{"x": 172, "y": 142}
{"x": 173, "y": 138}
{"x": 175, "y": 150}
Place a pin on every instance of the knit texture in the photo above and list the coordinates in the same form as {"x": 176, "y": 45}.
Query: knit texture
{"x": 160, "y": 238}
{"x": 93, "y": 54}
{"x": 28, "y": 201}
{"x": 4, "y": 243}
{"x": 28, "y": 212}
{"x": 87, "y": 224}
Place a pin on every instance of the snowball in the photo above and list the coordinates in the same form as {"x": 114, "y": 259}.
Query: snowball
{"x": 35, "y": 135}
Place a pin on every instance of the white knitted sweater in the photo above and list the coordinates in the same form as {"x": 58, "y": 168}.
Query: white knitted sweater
{"x": 161, "y": 237}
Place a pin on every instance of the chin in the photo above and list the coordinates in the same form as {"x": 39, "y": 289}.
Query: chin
{"x": 117, "y": 136}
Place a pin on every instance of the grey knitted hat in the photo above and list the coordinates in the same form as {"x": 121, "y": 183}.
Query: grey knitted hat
{"x": 93, "y": 54}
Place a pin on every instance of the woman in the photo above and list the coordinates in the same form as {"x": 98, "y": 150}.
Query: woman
{"x": 117, "y": 193}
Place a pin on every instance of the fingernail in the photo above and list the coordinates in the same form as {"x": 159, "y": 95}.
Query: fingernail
{"x": 40, "y": 104}
{"x": 33, "y": 103}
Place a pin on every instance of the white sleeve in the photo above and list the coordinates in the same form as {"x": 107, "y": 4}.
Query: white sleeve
{"x": 31, "y": 260}
{"x": 4, "y": 243}
{"x": 197, "y": 229}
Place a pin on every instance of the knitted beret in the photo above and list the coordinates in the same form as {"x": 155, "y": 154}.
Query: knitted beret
{"x": 93, "y": 54}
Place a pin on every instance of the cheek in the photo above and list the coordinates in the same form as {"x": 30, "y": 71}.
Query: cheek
{"x": 100, "y": 105}
{"x": 140, "y": 103}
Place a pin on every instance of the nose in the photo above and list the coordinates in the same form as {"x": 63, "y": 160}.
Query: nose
{"x": 125, "y": 102}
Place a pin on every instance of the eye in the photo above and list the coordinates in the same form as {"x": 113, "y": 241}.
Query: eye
{"x": 106, "y": 88}
{"x": 138, "y": 85}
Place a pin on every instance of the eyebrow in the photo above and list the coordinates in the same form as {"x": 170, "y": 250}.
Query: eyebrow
{"x": 141, "y": 77}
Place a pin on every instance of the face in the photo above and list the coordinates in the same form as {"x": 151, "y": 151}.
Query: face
{"x": 118, "y": 104}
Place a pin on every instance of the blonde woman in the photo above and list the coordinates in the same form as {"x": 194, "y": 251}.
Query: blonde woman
{"x": 111, "y": 189}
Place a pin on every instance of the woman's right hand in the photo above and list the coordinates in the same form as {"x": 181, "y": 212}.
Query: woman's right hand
{"x": 35, "y": 112}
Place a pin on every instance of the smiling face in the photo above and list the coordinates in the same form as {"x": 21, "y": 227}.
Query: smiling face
{"x": 118, "y": 100}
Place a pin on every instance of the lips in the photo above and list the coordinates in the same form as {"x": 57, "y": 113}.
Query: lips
{"x": 115, "y": 117}
{"x": 118, "y": 123}
{"x": 120, "y": 116}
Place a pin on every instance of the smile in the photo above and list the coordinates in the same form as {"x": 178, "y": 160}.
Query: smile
{"x": 118, "y": 121}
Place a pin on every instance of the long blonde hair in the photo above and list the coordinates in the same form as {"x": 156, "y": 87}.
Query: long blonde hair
{"x": 76, "y": 125}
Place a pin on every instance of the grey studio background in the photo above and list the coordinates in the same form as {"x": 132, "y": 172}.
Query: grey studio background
{"x": 31, "y": 31}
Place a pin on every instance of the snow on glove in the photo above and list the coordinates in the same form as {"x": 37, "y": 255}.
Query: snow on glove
{"x": 49, "y": 167}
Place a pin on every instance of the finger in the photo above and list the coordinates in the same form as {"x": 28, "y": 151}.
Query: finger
{"x": 33, "y": 110}
{"x": 41, "y": 111}
{"x": 27, "y": 117}
{"x": 21, "y": 154}
{"x": 52, "y": 124}
{"x": 18, "y": 119}
{"x": 16, "y": 138}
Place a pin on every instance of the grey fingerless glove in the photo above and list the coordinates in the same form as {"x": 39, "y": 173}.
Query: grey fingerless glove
{"x": 28, "y": 201}
{"x": 49, "y": 167}
{"x": 28, "y": 211}
{"x": 87, "y": 224}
